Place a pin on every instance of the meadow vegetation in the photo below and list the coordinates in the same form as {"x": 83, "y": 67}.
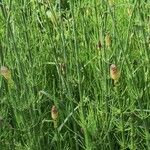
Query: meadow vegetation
{"x": 57, "y": 90}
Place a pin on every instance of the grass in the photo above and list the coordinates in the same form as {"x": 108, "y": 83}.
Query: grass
{"x": 59, "y": 53}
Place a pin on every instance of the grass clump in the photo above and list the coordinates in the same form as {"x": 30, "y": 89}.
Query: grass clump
{"x": 78, "y": 74}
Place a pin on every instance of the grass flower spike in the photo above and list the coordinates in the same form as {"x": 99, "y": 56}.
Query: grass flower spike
{"x": 114, "y": 73}
{"x": 54, "y": 115}
{"x": 6, "y": 73}
{"x": 108, "y": 40}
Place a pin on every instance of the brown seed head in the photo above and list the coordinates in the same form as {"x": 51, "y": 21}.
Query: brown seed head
{"x": 54, "y": 113}
{"x": 4, "y": 71}
{"x": 113, "y": 68}
{"x": 114, "y": 72}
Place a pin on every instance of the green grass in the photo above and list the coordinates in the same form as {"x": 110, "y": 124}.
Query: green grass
{"x": 51, "y": 48}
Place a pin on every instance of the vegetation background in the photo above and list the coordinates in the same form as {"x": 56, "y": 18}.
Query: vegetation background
{"x": 59, "y": 53}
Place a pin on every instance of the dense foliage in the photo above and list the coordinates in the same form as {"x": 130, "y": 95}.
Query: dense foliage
{"x": 56, "y": 87}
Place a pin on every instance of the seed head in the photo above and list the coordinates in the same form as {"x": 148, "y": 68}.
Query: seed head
{"x": 5, "y": 72}
{"x": 108, "y": 40}
{"x": 54, "y": 113}
{"x": 114, "y": 73}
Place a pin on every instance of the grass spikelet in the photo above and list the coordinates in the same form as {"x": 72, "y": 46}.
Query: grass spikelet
{"x": 108, "y": 40}
{"x": 6, "y": 73}
{"x": 54, "y": 115}
{"x": 114, "y": 73}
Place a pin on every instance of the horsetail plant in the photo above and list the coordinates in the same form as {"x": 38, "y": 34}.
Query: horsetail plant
{"x": 54, "y": 115}
{"x": 6, "y": 73}
{"x": 114, "y": 73}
